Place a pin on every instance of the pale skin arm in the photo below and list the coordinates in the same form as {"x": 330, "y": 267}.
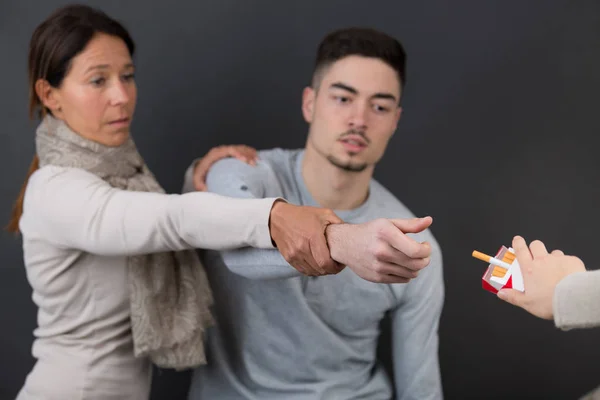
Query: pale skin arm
{"x": 379, "y": 250}
{"x": 542, "y": 272}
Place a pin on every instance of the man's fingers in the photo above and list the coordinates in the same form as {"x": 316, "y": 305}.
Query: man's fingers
{"x": 407, "y": 245}
{"x": 399, "y": 259}
{"x": 414, "y": 225}
{"x": 375, "y": 277}
{"x": 390, "y": 269}
{"x": 512, "y": 296}
{"x": 558, "y": 253}
{"x": 538, "y": 249}
{"x": 521, "y": 250}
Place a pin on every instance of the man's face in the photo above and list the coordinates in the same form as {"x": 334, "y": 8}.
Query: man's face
{"x": 354, "y": 111}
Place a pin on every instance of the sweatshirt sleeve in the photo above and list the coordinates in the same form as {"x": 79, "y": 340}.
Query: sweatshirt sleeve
{"x": 415, "y": 338}
{"x": 233, "y": 178}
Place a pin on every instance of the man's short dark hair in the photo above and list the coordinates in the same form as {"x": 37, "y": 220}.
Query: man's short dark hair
{"x": 364, "y": 42}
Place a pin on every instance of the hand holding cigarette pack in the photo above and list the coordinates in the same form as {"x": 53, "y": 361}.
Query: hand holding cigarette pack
{"x": 503, "y": 271}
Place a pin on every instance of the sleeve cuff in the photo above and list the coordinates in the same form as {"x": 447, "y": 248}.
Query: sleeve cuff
{"x": 261, "y": 237}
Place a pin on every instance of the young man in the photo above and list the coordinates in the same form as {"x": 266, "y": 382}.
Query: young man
{"x": 282, "y": 335}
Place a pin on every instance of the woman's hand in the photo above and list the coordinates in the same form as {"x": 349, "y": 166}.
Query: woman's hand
{"x": 542, "y": 271}
{"x": 241, "y": 152}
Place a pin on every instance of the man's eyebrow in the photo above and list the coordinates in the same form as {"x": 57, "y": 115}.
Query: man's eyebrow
{"x": 386, "y": 96}
{"x": 343, "y": 86}
{"x": 348, "y": 88}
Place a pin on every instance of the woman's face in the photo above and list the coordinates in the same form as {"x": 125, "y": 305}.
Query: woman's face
{"x": 98, "y": 94}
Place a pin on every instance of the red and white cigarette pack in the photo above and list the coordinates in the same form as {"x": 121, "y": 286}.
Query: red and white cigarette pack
{"x": 512, "y": 279}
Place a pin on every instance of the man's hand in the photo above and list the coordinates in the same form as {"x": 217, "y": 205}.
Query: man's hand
{"x": 379, "y": 251}
{"x": 299, "y": 234}
{"x": 241, "y": 152}
{"x": 541, "y": 273}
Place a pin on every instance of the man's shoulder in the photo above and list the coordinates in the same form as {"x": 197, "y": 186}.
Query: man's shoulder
{"x": 279, "y": 157}
{"x": 268, "y": 178}
{"x": 269, "y": 160}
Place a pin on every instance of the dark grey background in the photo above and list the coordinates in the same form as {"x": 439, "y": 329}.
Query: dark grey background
{"x": 498, "y": 137}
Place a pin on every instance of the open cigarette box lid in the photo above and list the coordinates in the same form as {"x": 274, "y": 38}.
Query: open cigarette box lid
{"x": 511, "y": 279}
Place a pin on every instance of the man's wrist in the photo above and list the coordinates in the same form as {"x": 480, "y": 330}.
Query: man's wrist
{"x": 337, "y": 240}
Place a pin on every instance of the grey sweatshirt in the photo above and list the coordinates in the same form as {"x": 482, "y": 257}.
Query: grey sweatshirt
{"x": 280, "y": 335}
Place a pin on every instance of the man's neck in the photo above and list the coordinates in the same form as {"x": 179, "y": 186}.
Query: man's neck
{"x": 331, "y": 186}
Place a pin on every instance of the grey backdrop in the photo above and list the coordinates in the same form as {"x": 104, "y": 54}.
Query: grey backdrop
{"x": 498, "y": 137}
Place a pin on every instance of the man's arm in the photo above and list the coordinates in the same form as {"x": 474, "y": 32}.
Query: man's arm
{"x": 415, "y": 324}
{"x": 377, "y": 251}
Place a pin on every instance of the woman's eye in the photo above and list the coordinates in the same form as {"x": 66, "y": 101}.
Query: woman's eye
{"x": 98, "y": 81}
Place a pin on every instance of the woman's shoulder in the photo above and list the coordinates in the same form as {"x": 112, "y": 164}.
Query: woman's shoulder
{"x": 55, "y": 183}
{"x": 51, "y": 175}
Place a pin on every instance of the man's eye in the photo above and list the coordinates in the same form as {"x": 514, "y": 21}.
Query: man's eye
{"x": 379, "y": 108}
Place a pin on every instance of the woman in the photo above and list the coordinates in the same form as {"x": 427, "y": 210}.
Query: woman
{"x": 109, "y": 256}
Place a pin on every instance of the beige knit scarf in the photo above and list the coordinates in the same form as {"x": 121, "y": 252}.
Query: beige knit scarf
{"x": 169, "y": 292}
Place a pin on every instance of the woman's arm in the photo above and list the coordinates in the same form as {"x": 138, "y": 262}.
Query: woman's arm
{"x": 72, "y": 208}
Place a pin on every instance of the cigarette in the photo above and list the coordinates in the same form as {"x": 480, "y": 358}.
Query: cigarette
{"x": 509, "y": 256}
{"x": 491, "y": 260}
{"x": 499, "y": 272}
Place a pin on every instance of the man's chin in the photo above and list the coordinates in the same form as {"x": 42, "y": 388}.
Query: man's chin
{"x": 347, "y": 165}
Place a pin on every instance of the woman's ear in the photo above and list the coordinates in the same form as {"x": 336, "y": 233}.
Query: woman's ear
{"x": 48, "y": 96}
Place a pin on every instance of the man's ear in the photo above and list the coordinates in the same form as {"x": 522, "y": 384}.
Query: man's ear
{"x": 308, "y": 103}
{"x": 48, "y": 96}
{"x": 398, "y": 116}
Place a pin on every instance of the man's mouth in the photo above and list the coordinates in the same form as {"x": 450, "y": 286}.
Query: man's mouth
{"x": 353, "y": 143}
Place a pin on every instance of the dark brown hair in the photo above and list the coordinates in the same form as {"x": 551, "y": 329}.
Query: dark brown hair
{"x": 364, "y": 42}
{"x": 54, "y": 44}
